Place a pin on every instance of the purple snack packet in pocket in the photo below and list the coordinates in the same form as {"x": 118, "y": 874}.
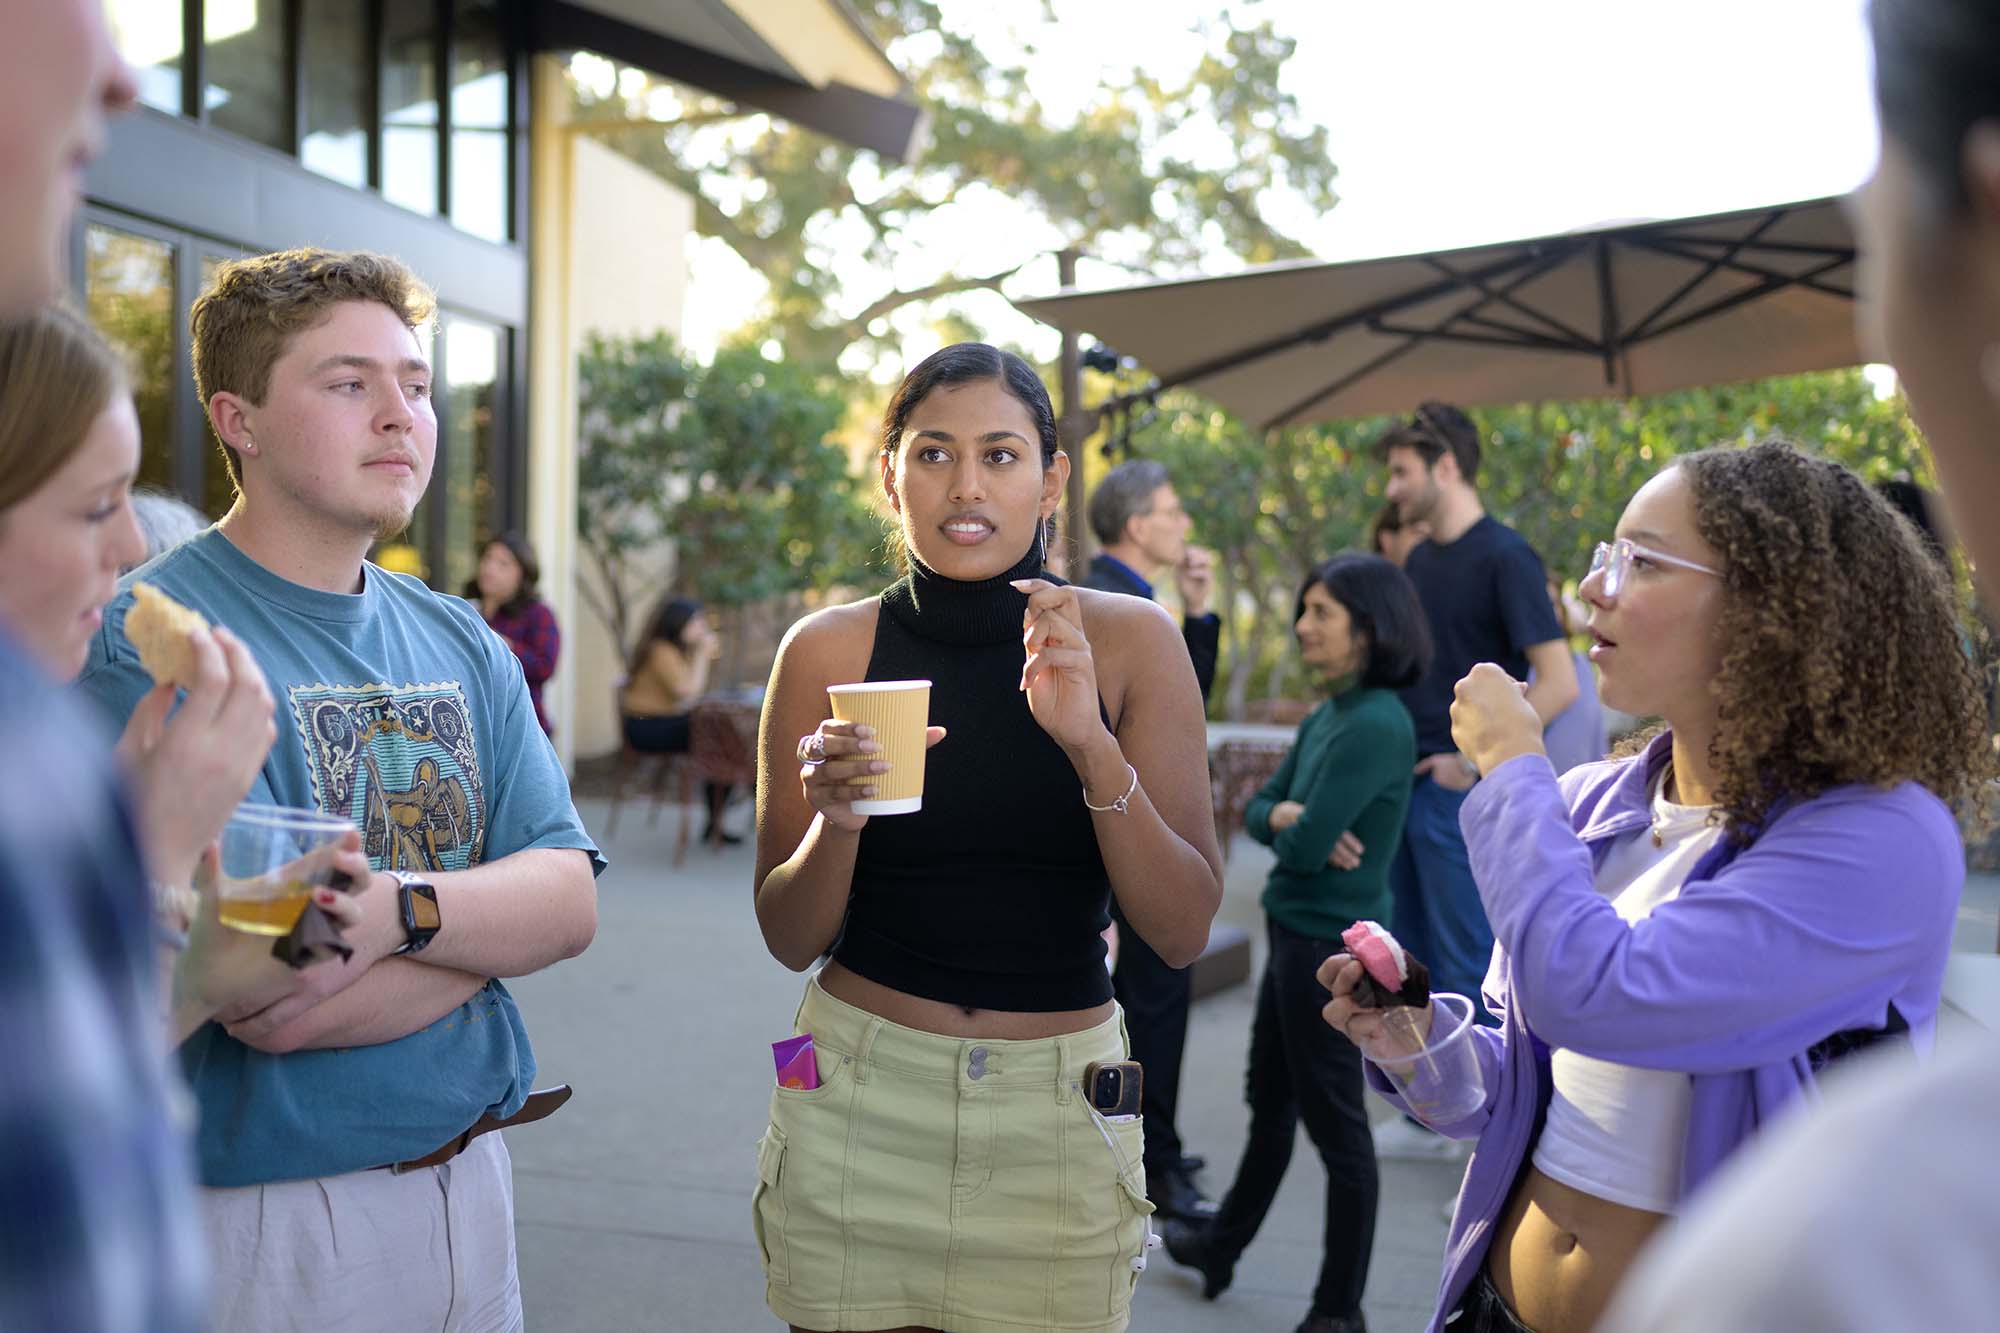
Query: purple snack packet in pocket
{"x": 798, "y": 1066}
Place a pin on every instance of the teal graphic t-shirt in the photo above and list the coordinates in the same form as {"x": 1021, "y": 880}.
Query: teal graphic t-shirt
{"x": 400, "y": 709}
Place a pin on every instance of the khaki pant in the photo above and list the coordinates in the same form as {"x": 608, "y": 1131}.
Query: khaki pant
{"x": 430, "y": 1251}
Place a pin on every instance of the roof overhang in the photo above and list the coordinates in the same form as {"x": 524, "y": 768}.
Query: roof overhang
{"x": 808, "y": 61}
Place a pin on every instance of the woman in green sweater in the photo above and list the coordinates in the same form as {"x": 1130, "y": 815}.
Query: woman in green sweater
{"x": 1333, "y": 814}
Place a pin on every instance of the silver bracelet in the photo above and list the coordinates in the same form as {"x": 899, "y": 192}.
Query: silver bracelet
{"x": 1120, "y": 805}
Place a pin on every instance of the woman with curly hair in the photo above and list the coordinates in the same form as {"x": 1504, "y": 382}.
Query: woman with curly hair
{"x": 1688, "y": 934}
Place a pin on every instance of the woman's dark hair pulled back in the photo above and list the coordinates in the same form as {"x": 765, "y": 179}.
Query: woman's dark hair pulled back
{"x": 968, "y": 363}
{"x": 1382, "y": 603}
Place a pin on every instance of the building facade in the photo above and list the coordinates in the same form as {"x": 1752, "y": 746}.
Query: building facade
{"x": 431, "y": 130}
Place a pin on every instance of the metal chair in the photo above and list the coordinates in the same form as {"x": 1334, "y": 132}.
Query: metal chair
{"x": 666, "y": 768}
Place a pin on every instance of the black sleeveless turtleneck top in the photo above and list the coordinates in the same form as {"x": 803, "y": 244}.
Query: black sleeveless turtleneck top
{"x": 994, "y": 895}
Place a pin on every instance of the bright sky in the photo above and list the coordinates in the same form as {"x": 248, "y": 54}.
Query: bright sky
{"x": 1452, "y": 122}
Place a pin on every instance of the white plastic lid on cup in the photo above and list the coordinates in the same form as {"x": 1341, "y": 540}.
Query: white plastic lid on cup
{"x": 1442, "y": 1082}
{"x": 878, "y": 686}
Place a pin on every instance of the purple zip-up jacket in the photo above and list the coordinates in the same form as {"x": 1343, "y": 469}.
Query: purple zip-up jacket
{"x": 1842, "y": 907}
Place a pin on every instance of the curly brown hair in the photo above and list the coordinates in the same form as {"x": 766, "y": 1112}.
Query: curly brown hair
{"x": 1842, "y": 660}
{"x": 252, "y": 308}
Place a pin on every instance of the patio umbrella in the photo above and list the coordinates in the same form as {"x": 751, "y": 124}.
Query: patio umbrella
{"x": 1613, "y": 310}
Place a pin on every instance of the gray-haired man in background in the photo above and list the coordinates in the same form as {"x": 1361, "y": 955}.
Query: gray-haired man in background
{"x": 1142, "y": 532}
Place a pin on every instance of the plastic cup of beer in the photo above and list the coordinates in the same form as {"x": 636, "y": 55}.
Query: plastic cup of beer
{"x": 273, "y": 857}
{"x": 899, "y": 711}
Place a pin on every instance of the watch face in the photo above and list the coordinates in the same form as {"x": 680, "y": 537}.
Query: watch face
{"x": 424, "y": 908}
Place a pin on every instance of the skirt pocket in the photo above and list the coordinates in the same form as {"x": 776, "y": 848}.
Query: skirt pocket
{"x": 767, "y": 1207}
{"x": 1134, "y": 1208}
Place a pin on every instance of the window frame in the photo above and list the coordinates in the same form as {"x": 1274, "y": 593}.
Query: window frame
{"x": 511, "y": 24}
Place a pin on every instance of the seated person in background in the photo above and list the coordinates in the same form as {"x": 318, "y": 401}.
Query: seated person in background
{"x": 505, "y": 588}
{"x": 667, "y": 674}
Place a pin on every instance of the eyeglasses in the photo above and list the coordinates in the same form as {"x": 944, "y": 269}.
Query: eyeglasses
{"x": 1613, "y": 560}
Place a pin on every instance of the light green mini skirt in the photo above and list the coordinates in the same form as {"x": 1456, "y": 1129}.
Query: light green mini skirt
{"x": 956, "y": 1184}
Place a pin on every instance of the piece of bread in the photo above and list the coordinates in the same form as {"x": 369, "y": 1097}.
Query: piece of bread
{"x": 158, "y": 627}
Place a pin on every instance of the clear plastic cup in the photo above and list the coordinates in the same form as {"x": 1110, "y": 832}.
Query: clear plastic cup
{"x": 1442, "y": 1082}
{"x": 273, "y": 857}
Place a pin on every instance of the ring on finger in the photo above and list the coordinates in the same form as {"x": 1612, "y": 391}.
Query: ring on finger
{"x": 812, "y": 750}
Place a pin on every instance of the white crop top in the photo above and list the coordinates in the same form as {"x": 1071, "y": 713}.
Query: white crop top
{"x": 1618, "y": 1131}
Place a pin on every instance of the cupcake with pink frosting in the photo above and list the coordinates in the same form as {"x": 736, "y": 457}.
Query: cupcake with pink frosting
{"x": 1390, "y": 977}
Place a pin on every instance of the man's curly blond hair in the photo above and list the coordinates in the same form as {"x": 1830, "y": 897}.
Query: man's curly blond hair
{"x": 1843, "y": 660}
{"x": 252, "y": 308}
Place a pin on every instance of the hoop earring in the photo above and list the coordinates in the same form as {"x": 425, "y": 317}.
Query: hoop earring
{"x": 1041, "y": 541}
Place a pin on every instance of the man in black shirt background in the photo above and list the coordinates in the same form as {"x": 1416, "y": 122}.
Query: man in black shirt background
{"x": 1484, "y": 592}
{"x": 1142, "y": 533}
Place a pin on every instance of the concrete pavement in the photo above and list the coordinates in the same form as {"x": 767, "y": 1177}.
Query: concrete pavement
{"x": 632, "y": 1205}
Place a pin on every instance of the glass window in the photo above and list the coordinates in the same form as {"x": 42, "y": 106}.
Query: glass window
{"x": 247, "y": 62}
{"x": 468, "y": 447}
{"x": 479, "y": 141}
{"x": 128, "y": 291}
{"x": 148, "y": 34}
{"x": 334, "y": 60}
{"x": 410, "y": 107}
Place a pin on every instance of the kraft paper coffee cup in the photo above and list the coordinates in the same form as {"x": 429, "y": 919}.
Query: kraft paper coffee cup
{"x": 899, "y": 711}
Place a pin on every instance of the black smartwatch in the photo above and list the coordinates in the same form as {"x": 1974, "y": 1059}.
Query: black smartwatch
{"x": 419, "y": 900}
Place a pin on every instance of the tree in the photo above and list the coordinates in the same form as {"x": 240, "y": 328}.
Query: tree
{"x": 1158, "y": 174}
{"x": 731, "y": 462}
{"x": 1560, "y": 473}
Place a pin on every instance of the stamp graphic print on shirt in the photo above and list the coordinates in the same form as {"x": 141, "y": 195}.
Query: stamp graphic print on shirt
{"x": 401, "y": 762}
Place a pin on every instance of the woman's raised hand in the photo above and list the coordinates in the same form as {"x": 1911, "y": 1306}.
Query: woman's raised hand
{"x": 839, "y": 764}
{"x": 1491, "y": 718}
{"x": 1059, "y": 674}
{"x": 1366, "y": 1027}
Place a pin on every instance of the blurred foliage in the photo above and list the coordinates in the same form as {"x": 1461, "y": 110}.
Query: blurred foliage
{"x": 1560, "y": 473}
{"x": 1160, "y": 173}
{"x": 732, "y": 462}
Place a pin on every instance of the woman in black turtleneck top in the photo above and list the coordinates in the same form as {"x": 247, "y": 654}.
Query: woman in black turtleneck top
{"x": 948, "y": 1173}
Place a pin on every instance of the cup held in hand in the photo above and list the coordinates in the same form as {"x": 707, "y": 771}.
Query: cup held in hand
{"x": 899, "y": 711}
{"x": 273, "y": 857}
{"x": 1442, "y": 1082}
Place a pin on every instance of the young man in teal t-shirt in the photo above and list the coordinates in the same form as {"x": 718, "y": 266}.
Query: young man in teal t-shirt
{"x": 399, "y": 708}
